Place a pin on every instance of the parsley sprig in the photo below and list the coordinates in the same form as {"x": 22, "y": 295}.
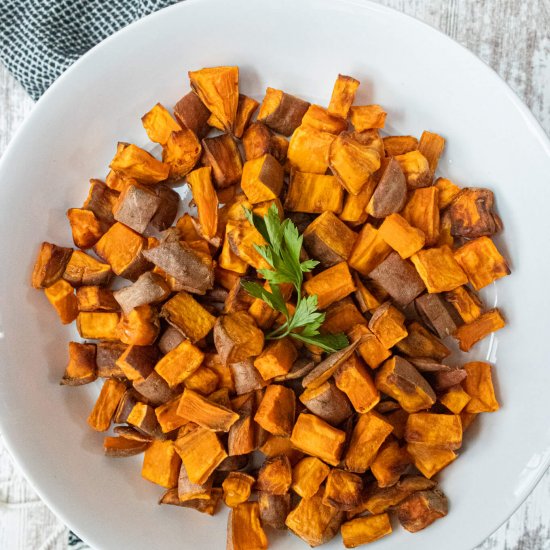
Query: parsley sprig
{"x": 282, "y": 253}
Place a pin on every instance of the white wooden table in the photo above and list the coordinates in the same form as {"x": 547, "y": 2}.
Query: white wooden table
{"x": 513, "y": 37}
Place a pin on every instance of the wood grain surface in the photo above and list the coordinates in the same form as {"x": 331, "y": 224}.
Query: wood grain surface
{"x": 513, "y": 37}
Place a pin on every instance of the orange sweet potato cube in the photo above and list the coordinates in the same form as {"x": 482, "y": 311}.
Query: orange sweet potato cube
{"x": 455, "y": 399}
{"x": 354, "y": 380}
{"x": 314, "y": 193}
{"x": 204, "y": 381}
{"x": 62, "y": 297}
{"x": 180, "y": 363}
{"x": 167, "y": 415}
{"x": 479, "y": 386}
{"x": 343, "y": 95}
{"x": 106, "y": 404}
{"x": 277, "y": 409}
{"x": 405, "y": 239}
{"x": 390, "y": 463}
{"x": 469, "y": 334}
{"x": 447, "y": 192}
{"x": 206, "y": 413}
{"x": 161, "y": 464}
{"x": 430, "y": 460}
{"x": 466, "y": 302}
{"x": 159, "y": 124}
{"x": 140, "y": 327}
{"x": 262, "y": 179}
{"x": 422, "y": 212}
{"x": 308, "y": 150}
{"x": 276, "y": 359}
{"x": 133, "y": 162}
{"x": 388, "y": 325}
{"x": 373, "y": 352}
{"x": 85, "y": 227}
{"x": 369, "y": 251}
{"x": 431, "y": 146}
{"x": 342, "y": 316}
{"x": 308, "y": 475}
{"x": 331, "y": 285}
{"x": 443, "y": 431}
{"x": 365, "y": 117}
{"x": 237, "y": 487}
{"x": 319, "y": 118}
{"x": 365, "y": 529}
{"x": 354, "y": 211}
{"x": 275, "y": 476}
{"x": 482, "y": 262}
{"x": 364, "y": 295}
{"x": 420, "y": 342}
{"x": 438, "y": 269}
{"x": 244, "y": 529}
{"x": 342, "y": 489}
{"x": 399, "y": 145}
{"x": 98, "y": 325}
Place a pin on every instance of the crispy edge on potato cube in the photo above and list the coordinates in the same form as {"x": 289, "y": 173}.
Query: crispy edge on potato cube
{"x": 277, "y": 410}
{"x": 442, "y": 431}
{"x": 282, "y": 112}
{"x": 81, "y": 368}
{"x": 471, "y": 333}
{"x": 438, "y": 269}
{"x": 343, "y": 95}
{"x": 106, "y": 405}
{"x": 479, "y": 386}
{"x": 421, "y": 509}
{"x": 365, "y": 529}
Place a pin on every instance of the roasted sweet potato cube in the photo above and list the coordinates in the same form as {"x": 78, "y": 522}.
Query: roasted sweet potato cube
{"x": 204, "y": 381}
{"x": 390, "y": 463}
{"x": 314, "y": 194}
{"x": 180, "y": 363}
{"x": 437, "y": 314}
{"x": 62, "y": 297}
{"x": 430, "y": 460}
{"x": 222, "y": 154}
{"x": 100, "y": 201}
{"x": 328, "y": 403}
{"x": 422, "y": 343}
{"x": 246, "y": 377}
{"x": 329, "y": 240}
{"x": 369, "y": 250}
{"x": 482, "y": 262}
{"x": 416, "y": 168}
{"x": 120, "y": 447}
{"x": 354, "y": 211}
{"x": 275, "y": 476}
{"x": 307, "y": 476}
{"x": 137, "y": 362}
{"x": 471, "y": 333}
{"x": 98, "y": 325}
{"x": 277, "y": 409}
{"x": 206, "y": 200}
{"x": 479, "y": 386}
{"x": 326, "y": 368}
{"x": 354, "y": 380}
{"x": 471, "y": 213}
{"x": 140, "y": 327}
{"x": 85, "y": 227}
{"x": 159, "y": 124}
{"x": 244, "y": 529}
{"x": 201, "y": 452}
{"x": 166, "y": 212}
{"x": 257, "y": 141}
{"x": 442, "y": 431}
{"x": 390, "y": 195}
{"x": 282, "y": 112}
{"x": 365, "y": 117}
{"x": 343, "y": 95}
{"x": 313, "y": 521}
{"x": 82, "y": 269}
{"x": 95, "y": 298}
{"x": 134, "y": 162}
{"x": 343, "y": 489}
{"x": 50, "y": 264}
{"x": 422, "y": 509}
{"x": 168, "y": 417}
{"x": 405, "y": 239}
{"x": 106, "y": 405}
{"x": 82, "y": 368}
{"x": 218, "y": 89}
{"x": 205, "y": 413}
{"x": 191, "y": 113}
{"x": 149, "y": 288}
{"x": 388, "y": 325}
{"x": 331, "y": 285}
{"x": 262, "y": 179}
{"x": 135, "y": 207}
{"x": 447, "y": 191}
{"x": 115, "y": 181}
{"x": 237, "y": 337}
{"x": 455, "y": 399}
{"x": 365, "y": 529}
{"x": 181, "y": 153}
{"x": 370, "y": 138}
{"x": 315, "y": 437}
{"x": 422, "y": 212}
{"x": 370, "y": 348}
{"x": 143, "y": 417}
{"x": 161, "y": 464}
{"x": 237, "y": 487}
{"x": 107, "y": 354}
{"x": 438, "y": 269}
{"x": 466, "y": 302}
{"x": 401, "y": 381}
{"x": 399, "y": 145}
{"x": 243, "y": 239}
{"x": 319, "y": 118}
{"x": 308, "y": 150}
{"x": 276, "y": 445}
{"x": 274, "y": 509}
{"x": 431, "y": 146}
{"x": 467, "y": 419}
{"x": 342, "y": 316}
{"x": 187, "y": 490}
{"x": 205, "y": 506}
{"x": 188, "y": 316}
{"x": 367, "y": 437}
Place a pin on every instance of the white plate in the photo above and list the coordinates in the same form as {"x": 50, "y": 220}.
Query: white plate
{"x": 425, "y": 81}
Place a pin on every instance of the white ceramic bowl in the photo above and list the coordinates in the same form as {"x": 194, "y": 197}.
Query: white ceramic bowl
{"x": 425, "y": 81}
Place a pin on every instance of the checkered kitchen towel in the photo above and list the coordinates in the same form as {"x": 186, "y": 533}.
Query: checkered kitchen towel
{"x": 39, "y": 39}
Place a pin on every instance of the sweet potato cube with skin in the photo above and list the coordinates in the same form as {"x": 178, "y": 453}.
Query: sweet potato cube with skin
{"x": 319, "y": 118}
{"x": 188, "y": 316}
{"x": 140, "y": 327}
{"x": 95, "y": 298}
{"x": 416, "y": 168}
{"x": 431, "y": 146}
{"x": 438, "y": 269}
{"x": 367, "y": 437}
{"x": 343, "y": 95}
{"x": 328, "y": 403}
{"x": 106, "y": 405}
{"x": 82, "y": 269}
{"x": 369, "y": 250}
{"x": 471, "y": 214}
{"x": 237, "y": 337}
{"x": 181, "y": 152}
{"x": 388, "y": 325}
{"x": 167, "y": 415}
{"x": 237, "y": 487}
{"x": 201, "y": 452}
{"x": 466, "y": 303}
{"x": 166, "y": 212}
{"x": 135, "y": 207}
{"x": 442, "y": 431}
{"x": 390, "y": 195}
{"x": 50, "y": 264}
{"x": 315, "y": 437}
{"x": 455, "y": 399}
{"x": 430, "y": 460}
{"x": 471, "y": 333}
{"x": 243, "y": 239}
{"x": 159, "y": 124}
{"x": 205, "y": 413}
{"x": 422, "y": 509}
{"x": 206, "y": 200}
{"x": 437, "y": 314}
{"x": 187, "y": 490}
{"x": 218, "y": 89}
{"x": 352, "y": 162}
{"x": 246, "y": 108}
{"x": 244, "y": 529}
{"x": 370, "y": 348}
{"x": 246, "y": 377}
{"x": 354, "y": 211}
{"x": 308, "y": 150}
{"x": 143, "y": 417}
{"x": 422, "y": 212}
{"x": 405, "y": 239}
{"x": 482, "y": 262}
{"x": 479, "y": 386}
{"x": 399, "y": 145}
{"x": 205, "y": 506}
{"x": 365, "y": 117}
{"x": 365, "y": 529}
{"x": 276, "y": 445}
{"x": 447, "y": 191}
{"x": 161, "y": 464}
{"x": 120, "y": 447}
{"x": 307, "y": 476}
{"x": 204, "y": 381}
{"x": 257, "y": 141}
{"x": 134, "y": 162}
{"x": 400, "y": 380}
{"x": 277, "y": 410}
{"x": 313, "y": 521}
{"x": 222, "y": 154}
{"x": 275, "y": 476}
{"x": 180, "y": 363}
{"x": 62, "y": 297}
{"x": 329, "y": 240}
{"x": 274, "y": 509}
{"x": 282, "y": 112}
{"x": 354, "y": 380}
{"x": 342, "y": 316}
{"x": 82, "y": 368}
{"x": 343, "y": 490}
{"x": 100, "y": 201}
{"x": 106, "y": 355}
{"x": 85, "y": 227}
{"x": 137, "y": 362}
{"x": 98, "y": 325}
{"x": 191, "y": 113}
{"x": 262, "y": 179}
{"x": 422, "y": 343}
{"x": 149, "y": 288}
{"x": 390, "y": 463}
{"x": 331, "y": 285}
{"x": 314, "y": 194}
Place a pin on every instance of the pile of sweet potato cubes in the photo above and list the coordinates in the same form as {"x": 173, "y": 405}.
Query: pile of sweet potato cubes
{"x": 194, "y": 374}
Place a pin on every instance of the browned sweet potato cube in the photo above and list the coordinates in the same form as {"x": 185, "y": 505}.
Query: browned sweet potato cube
{"x": 314, "y": 193}
{"x": 85, "y": 227}
{"x": 390, "y": 463}
{"x": 308, "y": 150}
{"x": 106, "y": 405}
{"x": 471, "y": 333}
{"x": 95, "y": 298}
{"x": 120, "y": 447}
{"x": 50, "y": 264}
{"x": 479, "y": 386}
{"x": 326, "y": 368}
{"x": 107, "y": 354}
{"x": 218, "y": 89}
{"x": 328, "y": 403}
{"x": 137, "y": 362}
{"x": 161, "y": 464}
{"x": 319, "y": 118}
{"x": 422, "y": 343}
{"x": 390, "y": 194}
{"x": 342, "y": 316}
{"x": 455, "y": 399}
{"x": 205, "y": 413}
{"x": 167, "y": 415}
{"x": 133, "y": 162}
{"x": 438, "y": 269}
{"x": 242, "y": 239}
{"x": 100, "y": 201}
{"x": 365, "y": 529}
{"x": 422, "y": 509}
{"x": 82, "y": 269}
{"x": 98, "y": 325}
{"x": 422, "y": 212}
{"x": 313, "y": 521}
{"x": 369, "y": 250}
{"x": 159, "y": 124}
{"x": 237, "y": 487}
{"x": 343, "y": 490}
{"x": 205, "y": 506}
{"x": 222, "y": 154}
{"x": 187, "y": 490}
{"x": 62, "y": 297}
{"x": 431, "y": 146}
{"x": 364, "y": 117}
{"x": 329, "y": 240}
{"x": 388, "y": 325}
{"x": 437, "y": 314}
{"x": 416, "y": 168}
{"x": 246, "y": 377}
{"x": 204, "y": 381}
{"x": 258, "y": 140}
{"x": 482, "y": 262}
{"x": 191, "y": 113}
{"x": 143, "y": 417}
{"x": 401, "y": 381}
{"x": 330, "y": 285}
{"x": 237, "y": 337}
{"x": 354, "y": 380}
{"x": 245, "y": 110}
{"x": 308, "y": 475}
{"x": 135, "y": 207}
{"x": 181, "y": 153}
{"x": 471, "y": 214}
{"x": 282, "y": 112}
{"x": 82, "y": 368}
{"x": 274, "y": 509}
{"x": 262, "y": 179}
{"x": 447, "y": 192}
{"x": 430, "y": 460}
{"x": 373, "y": 352}
{"x": 148, "y": 289}
{"x": 275, "y": 476}
{"x": 180, "y": 363}
{"x": 442, "y": 431}
{"x": 244, "y": 529}
{"x": 343, "y": 95}
{"x": 206, "y": 200}
{"x": 399, "y": 145}
{"x": 140, "y": 327}
{"x": 466, "y": 303}
{"x": 315, "y": 437}
{"x": 277, "y": 409}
